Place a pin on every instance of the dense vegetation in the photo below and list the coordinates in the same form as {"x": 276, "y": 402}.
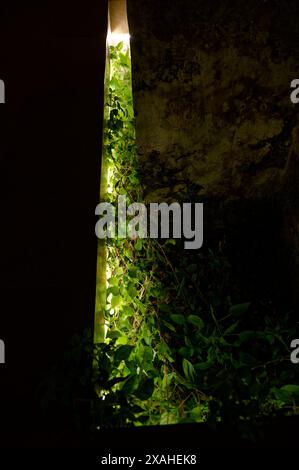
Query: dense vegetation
{"x": 181, "y": 344}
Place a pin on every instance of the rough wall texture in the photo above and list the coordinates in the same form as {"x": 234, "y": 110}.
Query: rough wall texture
{"x": 215, "y": 122}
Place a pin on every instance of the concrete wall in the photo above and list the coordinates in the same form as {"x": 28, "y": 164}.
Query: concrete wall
{"x": 215, "y": 122}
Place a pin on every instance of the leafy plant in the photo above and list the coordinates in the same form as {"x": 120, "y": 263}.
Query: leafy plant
{"x": 182, "y": 346}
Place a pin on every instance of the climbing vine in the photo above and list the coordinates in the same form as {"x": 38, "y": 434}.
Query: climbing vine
{"x": 182, "y": 349}
{"x": 181, "y": 345}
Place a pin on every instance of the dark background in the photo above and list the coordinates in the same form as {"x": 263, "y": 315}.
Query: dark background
{"x": 52, "y": 61}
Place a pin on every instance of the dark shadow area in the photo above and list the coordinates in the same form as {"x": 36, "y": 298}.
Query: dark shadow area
{"x": 52, "y": 61}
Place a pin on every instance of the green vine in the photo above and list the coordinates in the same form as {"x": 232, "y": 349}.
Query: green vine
{"x": 183, "y": 351}
{"x": 180, "y": 345}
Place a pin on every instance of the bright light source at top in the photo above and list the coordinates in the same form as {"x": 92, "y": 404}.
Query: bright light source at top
{"x": 115, "y": 38}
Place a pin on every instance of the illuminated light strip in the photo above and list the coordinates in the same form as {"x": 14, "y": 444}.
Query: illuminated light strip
{"x": 114, "y": 38}
{"x": 101, "y": 324}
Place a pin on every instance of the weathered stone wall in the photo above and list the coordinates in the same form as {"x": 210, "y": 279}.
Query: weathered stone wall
{"x": 215, "y": 122}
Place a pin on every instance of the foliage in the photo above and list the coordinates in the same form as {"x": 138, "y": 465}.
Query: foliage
{"x": 181, "y": 345}
{"x": 119, "y": 135}
{"x": 200, "y": 356}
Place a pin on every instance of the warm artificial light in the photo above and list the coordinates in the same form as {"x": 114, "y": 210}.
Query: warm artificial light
{"x": 115, "y": 38}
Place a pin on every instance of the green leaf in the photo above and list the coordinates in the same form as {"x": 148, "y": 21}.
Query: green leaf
{"x": 132, "y": 292}
{"x": 270, "y": 338}
{"x": 170, "y": 241}
{"x": 113, "y": 281}
{"x": 114, "y": 334}
{"x": 120, "y": 46}
{"x": 130, "y": 385}
{"x": 165, "y": 308}
{"x": 169, "y": 325}
{"x": 123, "y": 353}
{"x": 185, "y": 352}
{"x": 196, "y": 321}
{"x": 196, "y": 413}
{"x": 203, "y": 365}
{"x": 294, "y": 389}
{"x": 114, "y": 381}
{"x": 231, "y": 328}
{"x": 133, "y": 273}
{"x": 138, "y": 245}
{"x": 146, "y": 334}
{"x": 148, "y": 354}
{"x": 239, "y": 309}
{"x": 145, "y": 389}
{"x": 128, "y": 311}
{"x": 113, "y": 290}
{"x": 116, "y": 299}
{"x": 122, "y": 340}
{"x": 189, "y": 370}
{"x": 202, "y": 339}
{"x": 165, "y": 351}
{"x": 178, "y": 318}
{"x": 246, "y": 336}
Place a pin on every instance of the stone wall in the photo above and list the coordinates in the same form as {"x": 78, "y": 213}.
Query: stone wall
{"x": 215, "y": 123}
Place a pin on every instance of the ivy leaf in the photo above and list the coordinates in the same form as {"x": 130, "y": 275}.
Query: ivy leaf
{"x": 293, "y": 389}
{"x": 114, "y": 290}
{"x": 281, "y": 395}
{"x": 114, "y": 381}
{"x": 128, "y": 311}
{"x": 123, "y": 353}
{"x": 196, "y": 321}
{"x": 178, "y": 318}
{"x": 165, "y": 308}
{"x": 189, "y": 370}
{"x": 270, "y": 338}
{"x": 246, "y": 336}
{"x": 133, "y": 273}
{"x": 116, "y": 299}
{"x": 170, "y": 241}
{"x": 196, "y": 413}
{"x": 145, "y": 389}
{"x": 239, "y": 309}
{"x": 120, "y": 46}
{"x": 130, "y": 385}
{"x": 231, "y": 328}
{"x": 113, "y": 281}
{"x": 185, "y": 352}
{"x": 204, "y": 365}
{"x": 132, "y": 291}
{"x": 122, "y": 340}
{"x": 138, "y": 245}
{"x": 114, "y": 334}
{"x": 165, "y": 351}
{"x": 169, "y": 325}
{"x": 148, "y": 355}
{"x": 146, "y": 335}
